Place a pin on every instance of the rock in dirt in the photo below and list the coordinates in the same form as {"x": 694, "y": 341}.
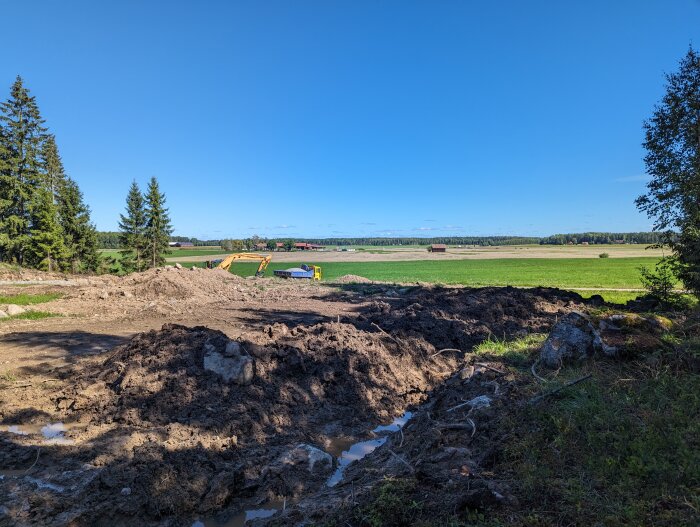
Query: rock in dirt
{"x": 178, "y": 266}
{"x": 231, "y": 362}
{"x": 481, "y": 401}
{"x": 3, "y": 314}
{"x": 309, "y": 457}
{"x": 14, "y": 310}
{"x": 572, "y": 338}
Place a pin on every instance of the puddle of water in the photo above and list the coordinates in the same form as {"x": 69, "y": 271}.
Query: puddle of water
{"x": 354, "y": 451}
{"x": 268, "y": 510}
{"x": 395, "y": 425}
{"x": 53, "y": 433}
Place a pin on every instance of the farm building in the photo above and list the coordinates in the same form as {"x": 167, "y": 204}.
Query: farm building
{"x": 438, "y": 248}
{"x": 181, "y": 244}
{"x": 279, "y": 246}
{"x": 302, "y": 246}
{"x": 261, "y": 246}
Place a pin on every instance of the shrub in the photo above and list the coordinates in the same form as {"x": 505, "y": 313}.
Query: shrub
{"x": 660, "y": 282}
{"x": 603, "y": 255}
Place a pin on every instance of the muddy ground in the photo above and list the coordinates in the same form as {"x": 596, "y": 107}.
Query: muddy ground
{"x": 149, "y": 436}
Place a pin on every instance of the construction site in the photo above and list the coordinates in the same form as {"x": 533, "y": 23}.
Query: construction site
{"x": 197, "y": 397}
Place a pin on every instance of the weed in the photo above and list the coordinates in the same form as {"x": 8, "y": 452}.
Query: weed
{"x": 31, "y": 315}
{"x": 26, "y": 299}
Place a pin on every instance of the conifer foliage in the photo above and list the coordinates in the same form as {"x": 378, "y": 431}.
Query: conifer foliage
{"x": 44, "y": 221}
{"x": 145, "y": 228}
{"x": 132, "y": 236}
{"x": 158, "y": 227}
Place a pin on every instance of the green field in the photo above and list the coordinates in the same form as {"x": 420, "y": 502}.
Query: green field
{"x": 569, "y": 273}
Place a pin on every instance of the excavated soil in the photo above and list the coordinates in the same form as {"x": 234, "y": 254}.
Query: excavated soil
{"x": 154, "y": 438}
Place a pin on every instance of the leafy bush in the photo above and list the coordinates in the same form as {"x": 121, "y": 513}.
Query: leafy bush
{"x": 603, "y": 255}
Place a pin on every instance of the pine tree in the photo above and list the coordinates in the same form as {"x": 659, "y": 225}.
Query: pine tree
{"x": 158, "y": 228}
{"x": 45, "y": 248}
{"x": 132, "y": 228}
{"x": 79, "y": 234}
{"x": 22, "y": 139}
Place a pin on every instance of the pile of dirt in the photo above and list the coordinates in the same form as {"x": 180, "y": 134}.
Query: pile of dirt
{"x": 187, "y": 443}
{"x": 14, "y": 272}
{"x": 352, "y": 279}
{"x": 462, "y": 317}
{"x": 166, "y": 438}
{"x": 170, "y": 283}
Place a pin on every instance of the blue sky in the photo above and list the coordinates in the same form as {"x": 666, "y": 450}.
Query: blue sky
{"x": 354, "y": 118}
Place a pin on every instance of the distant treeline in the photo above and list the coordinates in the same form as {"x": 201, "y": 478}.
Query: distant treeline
{"x": 448, "y": 240}
{"x": 603, "y": 238}
{"x": 110, "y": 240}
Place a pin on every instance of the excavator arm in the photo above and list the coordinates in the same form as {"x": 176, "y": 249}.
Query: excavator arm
{"x": 262, "y": 258}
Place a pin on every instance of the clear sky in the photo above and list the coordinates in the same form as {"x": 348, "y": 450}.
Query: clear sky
{"x": 354, "y": 118}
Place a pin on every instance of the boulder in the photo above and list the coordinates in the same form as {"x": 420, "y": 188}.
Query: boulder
{"x": 572, "y": 338}
{"x": 178, "y": 266}
{"x": 229, "y": 361}
{"x": 308, "y": 457}
{"x": 14, "y": 310}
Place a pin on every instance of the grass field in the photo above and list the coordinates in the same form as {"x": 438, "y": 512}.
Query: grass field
{"x": 622, "y": 273}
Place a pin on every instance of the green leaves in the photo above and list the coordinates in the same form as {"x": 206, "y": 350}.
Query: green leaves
{"x": 672, "y": 158}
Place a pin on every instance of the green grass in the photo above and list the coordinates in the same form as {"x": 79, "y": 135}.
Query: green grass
{"x": 615, "y": 297}
{"x": 25, "y": 299}
{"x": 620, "y": 449}
{"x": 31, "y": 315}
{"x": 568, "y": 273}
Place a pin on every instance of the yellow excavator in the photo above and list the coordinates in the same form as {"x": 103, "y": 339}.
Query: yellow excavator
{"x": 225, "y": 264}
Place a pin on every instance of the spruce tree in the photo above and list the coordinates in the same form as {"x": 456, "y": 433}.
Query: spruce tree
{"x": 53, "y": 172}
{"x": 158, "y": 228}
{"x": 132, "y": 236}
{"x": 22, "y": 140}
{"x": 79, "y": 233}
{"x": 45, "y": 248}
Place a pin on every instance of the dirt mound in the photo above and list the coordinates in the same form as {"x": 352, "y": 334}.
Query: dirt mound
{"x": 180, "y": 284}
{"x": 352, "y": 279}
{"x": 13, "y": 272}
{"x": 462, "y": 317}
{"x": 164, "y": 437}
{"x": 179, "y": 427}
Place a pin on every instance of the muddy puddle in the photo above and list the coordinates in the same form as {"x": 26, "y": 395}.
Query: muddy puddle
{"x": 267, "y": 510}
{"x": 51, "y": 433}
{"x": 346, "y": 452}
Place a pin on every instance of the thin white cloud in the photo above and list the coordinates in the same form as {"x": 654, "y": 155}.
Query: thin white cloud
{"x": 424, "y": 229}
{"x": 284, "y": 227}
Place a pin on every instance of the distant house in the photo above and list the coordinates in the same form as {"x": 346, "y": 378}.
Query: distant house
{"x": 438, "y": 248}
{"x": 584, "y": 243}
{"x": 303, "y": 246}
{"x": 279, "y": 246}
{"x": 261, "y": 246}
{"x": 181, "y": 244}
